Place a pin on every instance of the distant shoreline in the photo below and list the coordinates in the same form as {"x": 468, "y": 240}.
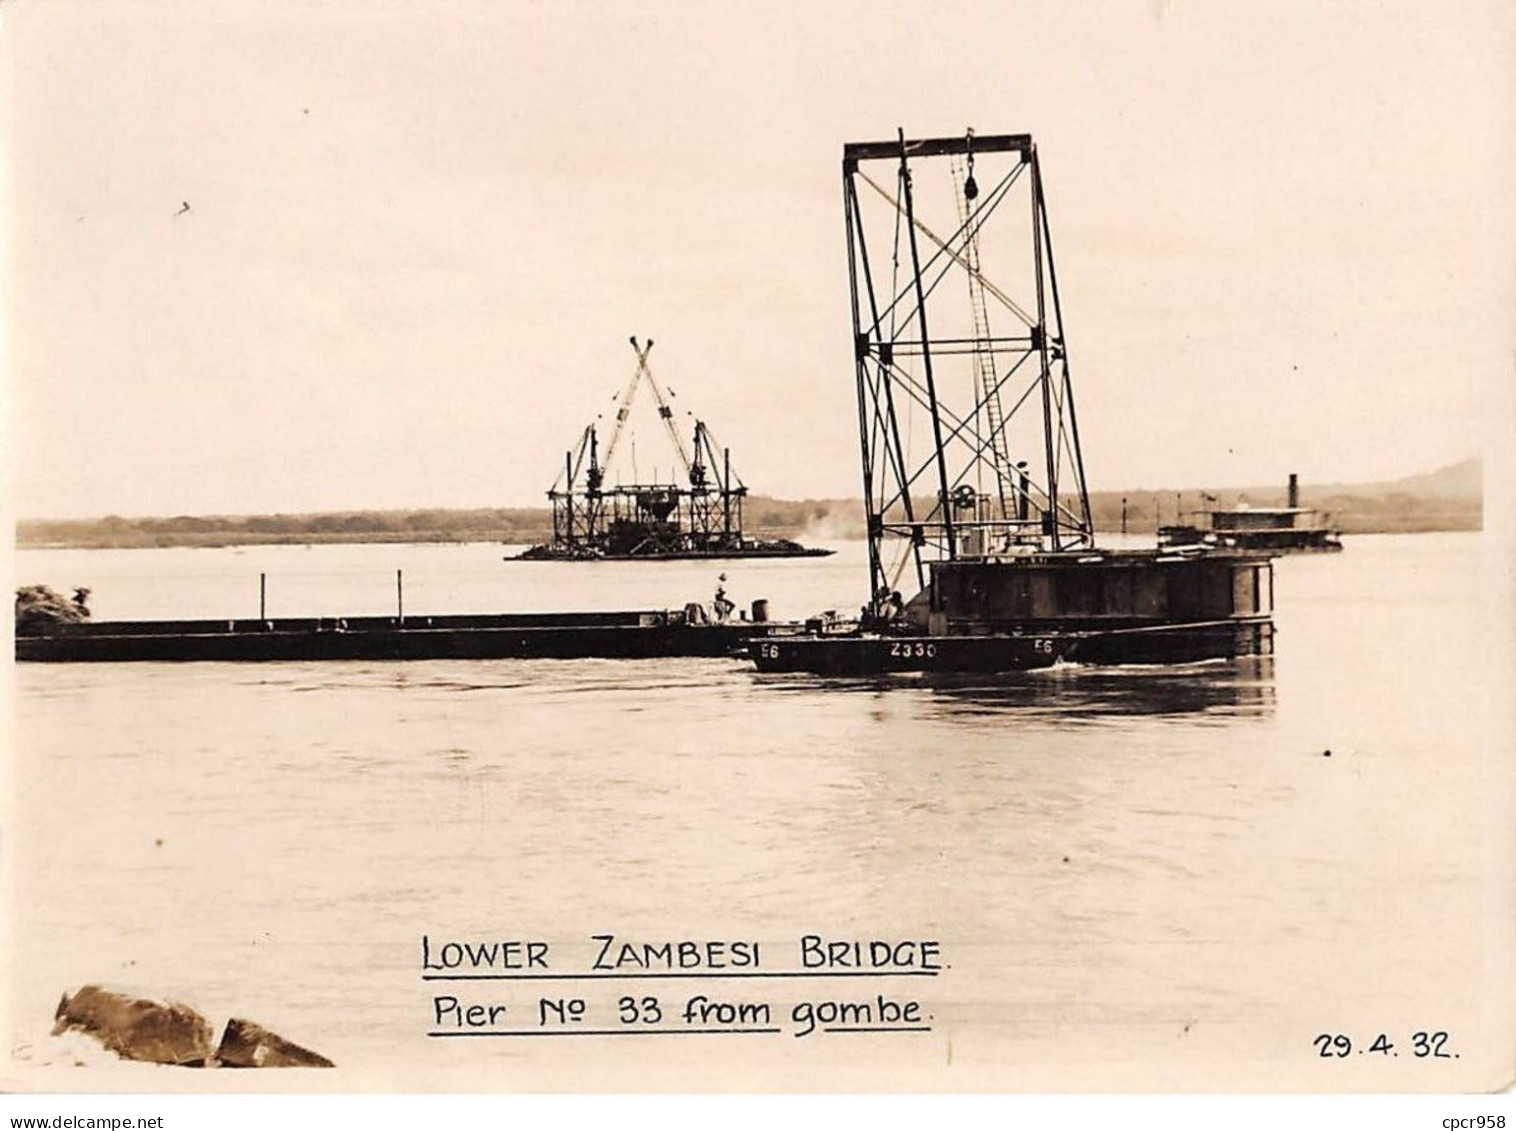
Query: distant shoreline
{"x": 809, "y": 522}
{"x": 482, "y": 539}
{"x": 1446, "y": 500}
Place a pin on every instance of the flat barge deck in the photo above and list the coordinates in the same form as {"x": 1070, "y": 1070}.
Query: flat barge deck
{"x": 610, "y": 635}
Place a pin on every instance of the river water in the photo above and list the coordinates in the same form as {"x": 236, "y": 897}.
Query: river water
{"x": 1140, "y": 878}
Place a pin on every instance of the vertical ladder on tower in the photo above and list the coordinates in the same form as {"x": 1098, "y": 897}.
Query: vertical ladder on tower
{"x": 986, "y": 384}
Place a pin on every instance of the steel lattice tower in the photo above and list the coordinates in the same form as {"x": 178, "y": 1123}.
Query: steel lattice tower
{"x": 968, "y": 435}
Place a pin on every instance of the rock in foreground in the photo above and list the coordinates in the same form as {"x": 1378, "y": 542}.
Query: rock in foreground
{"x": 135, "y": 1028}
{"x": 246, "y": 1044}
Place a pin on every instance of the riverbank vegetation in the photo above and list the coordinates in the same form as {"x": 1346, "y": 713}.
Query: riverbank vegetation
{"x": 1448, "y": 499}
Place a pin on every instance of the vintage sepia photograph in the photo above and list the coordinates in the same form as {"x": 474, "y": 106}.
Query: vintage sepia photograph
{"x": 748, "y": 548}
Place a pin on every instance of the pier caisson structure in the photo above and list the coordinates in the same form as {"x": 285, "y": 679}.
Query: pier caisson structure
{"x": 973, "y": 474}
{"x": 702, "y": 517}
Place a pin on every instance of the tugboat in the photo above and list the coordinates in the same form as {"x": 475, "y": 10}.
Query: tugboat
{"x": 972, "y": 470}
{"x": 1290, "y": 529}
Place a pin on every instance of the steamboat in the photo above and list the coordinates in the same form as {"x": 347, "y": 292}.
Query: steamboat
{"x": 1290, "y": 529}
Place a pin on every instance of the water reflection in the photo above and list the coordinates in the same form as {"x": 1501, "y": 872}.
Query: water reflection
{"x": 1228, "y": 689}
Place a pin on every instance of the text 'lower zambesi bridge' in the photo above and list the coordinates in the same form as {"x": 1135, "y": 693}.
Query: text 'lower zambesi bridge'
{"x": 779, "y": 995}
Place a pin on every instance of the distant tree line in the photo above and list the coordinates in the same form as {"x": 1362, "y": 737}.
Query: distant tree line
{"x": 814, "y": 520}
{"x": 512, "y": 525}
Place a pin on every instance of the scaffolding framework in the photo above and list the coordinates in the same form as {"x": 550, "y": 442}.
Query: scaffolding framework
{"x": 967, "y": 430}
{"x": 704, "y": 515}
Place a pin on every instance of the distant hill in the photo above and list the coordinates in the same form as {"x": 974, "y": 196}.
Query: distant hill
{"x": 1450, "y": 498}
{"x": 1464, "y": 480}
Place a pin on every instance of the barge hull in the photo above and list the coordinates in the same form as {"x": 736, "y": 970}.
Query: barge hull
{"x": 874, "y": 655}
{"x": 582, "y": 636}
{"x": 1177, "y": 644}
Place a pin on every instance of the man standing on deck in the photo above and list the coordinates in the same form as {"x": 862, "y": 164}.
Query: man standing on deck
{"x": 721, "y": 606}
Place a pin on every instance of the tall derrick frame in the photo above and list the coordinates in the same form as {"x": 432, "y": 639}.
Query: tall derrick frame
{"x": 981, "y": 480}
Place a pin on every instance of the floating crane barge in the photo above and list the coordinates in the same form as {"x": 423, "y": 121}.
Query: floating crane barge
{"x": 972, "y": 471}
{"x": 593, "y": 521}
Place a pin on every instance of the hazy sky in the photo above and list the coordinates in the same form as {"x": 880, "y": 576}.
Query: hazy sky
{"x": 420, "y": 234}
